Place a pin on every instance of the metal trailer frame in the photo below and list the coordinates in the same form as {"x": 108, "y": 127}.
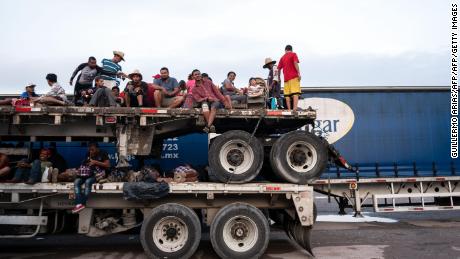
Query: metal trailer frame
{"x": 297, "y": 200}
{"x": 405, "y": 194}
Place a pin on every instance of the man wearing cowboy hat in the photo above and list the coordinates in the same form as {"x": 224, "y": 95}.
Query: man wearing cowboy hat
{"x": 139, "y": 93}
{"x": 273, "y": 81}
{"x": 111, "y": 70}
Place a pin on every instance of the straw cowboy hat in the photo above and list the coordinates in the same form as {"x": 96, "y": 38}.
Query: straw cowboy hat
{"x": 269, "y": 61}
{"x": 119, "y": 53}
{"x": 135, "y": 72}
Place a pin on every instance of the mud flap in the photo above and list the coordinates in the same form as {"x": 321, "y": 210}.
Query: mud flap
{"x": 134, "y": 140}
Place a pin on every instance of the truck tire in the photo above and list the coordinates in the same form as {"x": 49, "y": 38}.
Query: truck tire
{"x": 239, "y": 230}
{"x": 298, "y": 157}
{"x": 171, "y": 231}
{"x": 235, "y": 157}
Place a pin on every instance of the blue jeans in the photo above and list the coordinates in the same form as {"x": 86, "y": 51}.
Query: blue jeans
{"x": 34, "y": 173}
{"x": 81, "y": 198}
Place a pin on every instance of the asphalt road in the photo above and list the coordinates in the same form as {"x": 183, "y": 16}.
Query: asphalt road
{"x": 405, "y": 235}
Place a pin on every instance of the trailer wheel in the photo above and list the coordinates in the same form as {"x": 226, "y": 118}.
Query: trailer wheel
{"x": 298, "y": 157}
{"x": 239, "y": 230}
{"x": 235, "y": 157}
{"x": 171, "y": 231}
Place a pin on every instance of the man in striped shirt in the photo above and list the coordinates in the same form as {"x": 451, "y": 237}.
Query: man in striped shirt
{"x": 111, "y": 70}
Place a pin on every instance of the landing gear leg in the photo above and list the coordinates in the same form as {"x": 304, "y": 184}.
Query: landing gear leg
{"x": 343, "y": 203}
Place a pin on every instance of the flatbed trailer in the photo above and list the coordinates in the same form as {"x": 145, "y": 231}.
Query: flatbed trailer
{"x": 393, "y": 194}
{"x": 235, "y": 156}
{"x": 237, "y": 214}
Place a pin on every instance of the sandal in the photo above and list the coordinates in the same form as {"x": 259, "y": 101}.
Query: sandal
{"x": 212, "y": 129}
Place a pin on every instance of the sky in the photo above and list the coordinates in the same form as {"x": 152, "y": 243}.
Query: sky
{"x": 339, "y": 43}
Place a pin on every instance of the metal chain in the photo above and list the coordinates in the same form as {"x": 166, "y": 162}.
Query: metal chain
{"x": 249, "y": 142}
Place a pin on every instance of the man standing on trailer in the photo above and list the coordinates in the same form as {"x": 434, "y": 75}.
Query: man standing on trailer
{"x": 289, "y": 64}
{"x": 89, "y": 71}
{"x": 274, "y": 85}
{"x": 111, "y": 70}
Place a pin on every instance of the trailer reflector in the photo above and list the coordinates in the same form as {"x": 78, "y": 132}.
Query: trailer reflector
{"x": 149, "y": 110}
{"x": 111, "y": 119}
{"x": 272, "y": 188}
{"x": 273, "y": 113}
{"x": 23, "y": 108}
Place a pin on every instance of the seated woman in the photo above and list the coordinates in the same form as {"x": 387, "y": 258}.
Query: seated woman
{"x": 254, "y": 90}
{"x": 96, "y": 162}
{"x": 229, "y": 89}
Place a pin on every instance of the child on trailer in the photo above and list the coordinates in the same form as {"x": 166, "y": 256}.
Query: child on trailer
{"x": 254, "y": 90}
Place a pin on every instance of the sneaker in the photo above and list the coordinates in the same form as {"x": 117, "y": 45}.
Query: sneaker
{"x": 206, "y": 129}
{"x": 78, "y": 208}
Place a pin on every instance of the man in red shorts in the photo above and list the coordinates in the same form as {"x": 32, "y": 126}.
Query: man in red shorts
{"x": 289, "y": 64}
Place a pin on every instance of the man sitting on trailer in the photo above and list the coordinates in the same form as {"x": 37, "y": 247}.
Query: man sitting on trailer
{"x": 31, "y": 172}
{"x": 5, "y": 168}
{"x": 103, "y": 96}
{"x": 138, "y": 93}
{"x": 166, "y": 96}
{"x": 96, "y": 162}
{"x": 209, "y": 98}
{"x": 56, "y": 96}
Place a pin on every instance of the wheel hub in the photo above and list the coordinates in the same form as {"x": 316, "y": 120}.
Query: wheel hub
{"x": 235, "y": 157}
{"x": 298, "y": 157}
{"x": 239, "y": 231}
{"x": 301, "y": 156}
{"x": 171, "y": 232}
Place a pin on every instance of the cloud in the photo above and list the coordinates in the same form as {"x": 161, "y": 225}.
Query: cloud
{"x": 339, "y": 42}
